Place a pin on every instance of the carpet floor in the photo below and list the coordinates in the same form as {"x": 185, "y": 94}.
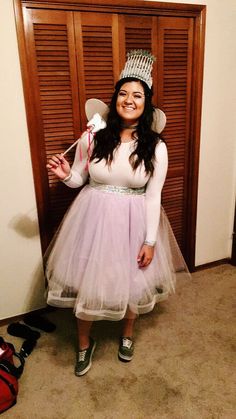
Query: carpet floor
{"x": 183, "y": 368}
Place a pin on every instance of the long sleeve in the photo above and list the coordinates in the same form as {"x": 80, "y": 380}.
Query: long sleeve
{"x": 79, "y": 172}
{"x": 153, "y": 191}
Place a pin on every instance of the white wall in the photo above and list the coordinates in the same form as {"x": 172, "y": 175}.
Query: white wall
{"x": 22, "y": 283}
{"x": 217, "y": 175}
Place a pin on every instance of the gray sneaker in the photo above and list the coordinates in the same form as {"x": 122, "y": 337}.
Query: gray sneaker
{"x": 126, "y": 349}
{"x": 84, "y": 359}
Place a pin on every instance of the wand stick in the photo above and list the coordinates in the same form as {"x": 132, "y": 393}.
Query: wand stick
{"x": 90, "y": 129}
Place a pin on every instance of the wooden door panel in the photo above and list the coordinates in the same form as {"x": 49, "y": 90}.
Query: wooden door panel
{"x": 51, "y": 54}
{"x": 139, "y": 32}
{"x": 174, "y": 66}
{"x": 95, "y": 46}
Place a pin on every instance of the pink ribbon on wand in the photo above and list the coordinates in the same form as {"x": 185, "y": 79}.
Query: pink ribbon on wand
{"x": 89, "y": 130}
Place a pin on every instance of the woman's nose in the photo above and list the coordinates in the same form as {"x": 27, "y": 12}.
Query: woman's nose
{"x": 128, "y": 98}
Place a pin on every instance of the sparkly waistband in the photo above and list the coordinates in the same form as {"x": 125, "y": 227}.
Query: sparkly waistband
{"x": 117, "y": 189}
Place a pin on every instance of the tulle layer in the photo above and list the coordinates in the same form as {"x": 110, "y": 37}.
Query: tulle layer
{"x": 92, "y": 266}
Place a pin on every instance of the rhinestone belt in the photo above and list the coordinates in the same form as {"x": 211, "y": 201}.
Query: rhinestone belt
{"x": 116, "y": 189}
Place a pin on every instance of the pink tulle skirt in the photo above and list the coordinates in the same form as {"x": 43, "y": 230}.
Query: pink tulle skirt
{"x": 93, "y": 267}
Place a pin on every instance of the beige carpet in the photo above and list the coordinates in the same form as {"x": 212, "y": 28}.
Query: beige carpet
{"x": 184, "y": 364}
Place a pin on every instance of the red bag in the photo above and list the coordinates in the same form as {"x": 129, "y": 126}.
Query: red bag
{"x": 9, "y": 375}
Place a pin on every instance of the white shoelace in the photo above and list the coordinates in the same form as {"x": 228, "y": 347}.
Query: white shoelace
{"x": 82, "y": 355}
{"x": 127, "y": 343}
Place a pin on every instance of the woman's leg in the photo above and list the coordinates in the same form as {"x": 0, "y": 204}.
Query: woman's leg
{"x": 83, "y": 331}
{"x": 126, "y": 347}
{"x": 128, "y": 323}
{"x": 86, "y": 347}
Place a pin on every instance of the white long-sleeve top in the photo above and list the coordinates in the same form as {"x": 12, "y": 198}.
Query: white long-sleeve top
{"x": 120, "y": 173}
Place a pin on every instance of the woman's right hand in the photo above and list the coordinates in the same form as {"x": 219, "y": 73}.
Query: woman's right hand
{"x": 58, "y": 165}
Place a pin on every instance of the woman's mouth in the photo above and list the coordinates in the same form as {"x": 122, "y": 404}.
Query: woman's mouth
{"x": 128, "y": 108}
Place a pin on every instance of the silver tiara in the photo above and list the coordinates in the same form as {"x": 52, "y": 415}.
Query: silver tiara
{"x": 139, "y": 65}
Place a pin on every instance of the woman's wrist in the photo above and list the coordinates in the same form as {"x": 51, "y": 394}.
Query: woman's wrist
{"x": 150, "y": 243}
{"x": 68, "y": 177}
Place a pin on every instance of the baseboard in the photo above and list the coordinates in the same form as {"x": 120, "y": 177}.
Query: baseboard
{"x": 20, "y": 317}
{"x": 212, "y": 264}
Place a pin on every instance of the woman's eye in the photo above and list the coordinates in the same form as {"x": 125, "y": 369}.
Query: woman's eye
{"x": 131, "y": 96}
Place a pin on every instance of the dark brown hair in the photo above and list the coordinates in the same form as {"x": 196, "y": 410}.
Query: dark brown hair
{"x": 108, "y": 139}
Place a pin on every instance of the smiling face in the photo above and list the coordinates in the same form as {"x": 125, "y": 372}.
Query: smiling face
{"x": 130, "y": 102}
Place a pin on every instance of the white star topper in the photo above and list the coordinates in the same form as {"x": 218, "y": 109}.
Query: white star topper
{"x": 93, "y": 126}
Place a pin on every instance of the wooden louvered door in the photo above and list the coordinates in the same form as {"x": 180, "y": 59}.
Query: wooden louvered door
{"x": 77, "y": 52}
{"x": 66, "y": 80}
{"x": 51, "y": 53}
{"x": 175, "y": 56}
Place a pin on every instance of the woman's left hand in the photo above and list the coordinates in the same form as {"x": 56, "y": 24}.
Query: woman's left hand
{"x": 145, "y": 256}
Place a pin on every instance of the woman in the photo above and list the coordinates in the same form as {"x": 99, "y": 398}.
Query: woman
{"x": 106, "y": 262}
